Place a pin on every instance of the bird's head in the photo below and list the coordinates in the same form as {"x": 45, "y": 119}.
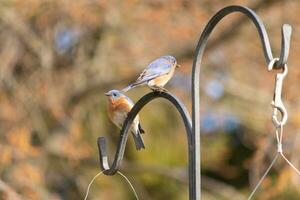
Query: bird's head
{"x": 172, "y": 60}
{"x": 114, "y": 95}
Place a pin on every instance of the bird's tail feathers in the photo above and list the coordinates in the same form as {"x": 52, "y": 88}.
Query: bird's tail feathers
{"x": 133, "y": 85}
{"x": 129, "y": 87}
{"x": 141, "y": 129}
{"x": 138, "y": 140}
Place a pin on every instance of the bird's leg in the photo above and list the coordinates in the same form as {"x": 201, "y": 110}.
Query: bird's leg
{"x": 161, "y": 89}
{"x": 158, "y": 89}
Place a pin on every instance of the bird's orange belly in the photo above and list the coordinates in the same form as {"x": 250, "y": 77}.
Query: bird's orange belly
{"x": 159, "y": 81}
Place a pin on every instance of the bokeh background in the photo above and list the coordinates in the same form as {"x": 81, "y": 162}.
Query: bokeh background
{"x": 58, "y": 57}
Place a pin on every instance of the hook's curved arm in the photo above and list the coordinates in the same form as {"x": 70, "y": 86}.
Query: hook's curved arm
{"x": 285, "y": 45}
{"x": 127, "y": 124}
{"x": 286, "y": 33}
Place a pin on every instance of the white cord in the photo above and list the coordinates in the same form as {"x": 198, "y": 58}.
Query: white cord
{"x": 279, "y": 138}
{"x": 135, "y": 194}
{"x": 291, "y": 164}
{"x": 122, "y": 175}
{"x": 90, "y": 184}
{"x": 263, "y": 177}
{"x": 279, "y": 151}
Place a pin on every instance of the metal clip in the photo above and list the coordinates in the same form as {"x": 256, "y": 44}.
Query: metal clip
{"x": 277, "y": 101}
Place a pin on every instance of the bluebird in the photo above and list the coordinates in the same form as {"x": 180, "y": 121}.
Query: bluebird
{"x": 118, "y": 108}
{"x": 156, "y": 74}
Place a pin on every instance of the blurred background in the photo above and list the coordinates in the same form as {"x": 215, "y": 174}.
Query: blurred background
{"x": 58, "y": 57}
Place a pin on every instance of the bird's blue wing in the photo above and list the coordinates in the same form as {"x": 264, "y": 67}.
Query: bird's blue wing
{"x": 130, "y": 102}
{"x": 157, "y": 68}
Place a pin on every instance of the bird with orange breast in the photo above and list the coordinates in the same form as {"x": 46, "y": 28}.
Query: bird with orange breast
{"x": 156, "y": 74}
{"x": 118, "y": 108}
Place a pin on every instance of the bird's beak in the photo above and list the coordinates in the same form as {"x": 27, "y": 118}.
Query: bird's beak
{"x": 107, "y": 94}
{"x": 178, "y": 66}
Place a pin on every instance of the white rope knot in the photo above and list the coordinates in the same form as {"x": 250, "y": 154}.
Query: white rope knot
{"x": 279, "y": 148}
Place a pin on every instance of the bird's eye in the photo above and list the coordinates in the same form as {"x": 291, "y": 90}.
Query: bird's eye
{"x": 114, "y": 94}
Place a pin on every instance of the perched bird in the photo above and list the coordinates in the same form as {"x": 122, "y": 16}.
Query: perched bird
{"x": 118, "y": 108}
{"x": 156, "y": 74}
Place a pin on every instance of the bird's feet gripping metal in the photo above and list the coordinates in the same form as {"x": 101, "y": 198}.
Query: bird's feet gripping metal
{"x": 277, "y": 101}
{"x": 159, "y": 89}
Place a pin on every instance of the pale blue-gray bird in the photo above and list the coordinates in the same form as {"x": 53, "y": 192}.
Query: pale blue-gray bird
{"x": 156, "y": 74}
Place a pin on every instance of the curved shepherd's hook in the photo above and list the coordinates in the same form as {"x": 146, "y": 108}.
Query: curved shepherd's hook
{"x": 193, "y": 132}
{"x": 125, "y": 130}
{"x": 285, "y": 45}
